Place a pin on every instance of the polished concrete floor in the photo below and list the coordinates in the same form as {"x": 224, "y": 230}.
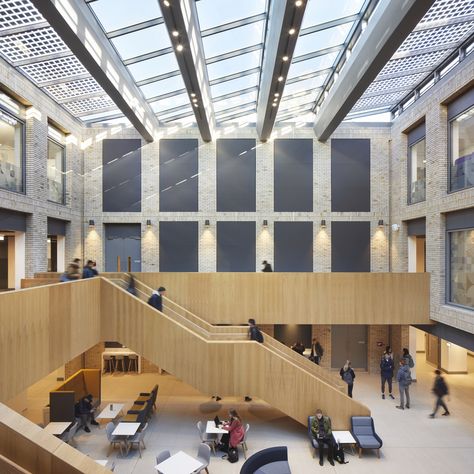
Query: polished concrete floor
{"x": 413, "y": 443}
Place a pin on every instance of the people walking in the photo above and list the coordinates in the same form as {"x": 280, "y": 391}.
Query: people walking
{"x": 322, "y": 432}
{"x": 317, "y": 351}
{"x": 266, "y": 267}
{"x": 404, "y": 382}
{"x": 156, "y": 298}
{"x": 386, "y": 374}
{"x": 298, "y": 347}
{"x": 131, "y": 287}
{"x": 72, "y": 272}
{"x": 408, "y": 358}
{"x": 440, "y": 389}
{"x": 348, "y": 375}
{"x": 88, "y": 270}
{"x": 254, "y": 332}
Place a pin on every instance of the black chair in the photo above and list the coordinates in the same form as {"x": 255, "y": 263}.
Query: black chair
{"x": 274, "y": 459}
{"x": 363, "y": 431}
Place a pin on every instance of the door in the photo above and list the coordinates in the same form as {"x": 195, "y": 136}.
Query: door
{"x": 349, "y": 342}
{"x": 3, "y": 263}
{"x": 123, "y": 247}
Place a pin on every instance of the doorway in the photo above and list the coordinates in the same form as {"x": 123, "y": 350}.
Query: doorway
{"x": 123, "y": 248}
{"x": 349, "y": 342}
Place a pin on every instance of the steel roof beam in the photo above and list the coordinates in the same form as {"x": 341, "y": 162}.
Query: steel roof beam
{"x": 389, "y": 25}
{"x": 15, "y": 30}
{"x": 75, "y": 24}
{"x": 285, "y": 16}
{"x": 181, "y": 20}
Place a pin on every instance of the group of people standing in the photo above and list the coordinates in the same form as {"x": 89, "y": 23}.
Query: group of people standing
{"x": 73, "y": 271}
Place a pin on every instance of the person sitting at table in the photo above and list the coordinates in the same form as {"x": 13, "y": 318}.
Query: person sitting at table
{"x": 84, "y": 410}
{"x": 235, "y": 431}
{"x": 322, "y": 432}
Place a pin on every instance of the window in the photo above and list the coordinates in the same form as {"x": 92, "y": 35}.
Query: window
{"x": 417, "y": 172}
{"x": 461, "y": 140}
{"x": 11, "y": 153}
{"x": 461, "y": 268}
{"x": 55, "y": 171}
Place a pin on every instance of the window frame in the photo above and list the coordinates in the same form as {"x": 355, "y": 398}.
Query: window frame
{"x": 410, "y": 146}
{"x": 23, "y": 151}
{"x": 63, "y": 166}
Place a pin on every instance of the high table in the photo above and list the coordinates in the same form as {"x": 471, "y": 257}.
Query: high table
{"x": 57, "y": 428}
{"x": 180, "y": 462}
{"x": 124, "y": 351}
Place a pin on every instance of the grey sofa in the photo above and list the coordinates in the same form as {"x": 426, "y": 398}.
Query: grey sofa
{"x": 363, "y": 431}
{"x": 268, "y": 461}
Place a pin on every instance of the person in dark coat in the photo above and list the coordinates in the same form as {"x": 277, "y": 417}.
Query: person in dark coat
{"x": 386, "y": 374}
{"x": 440, "y": 389}
{"x": 317, "y": 351}
{"x": 404, "y": 381}
{"x": 348, "y": 375}
{"x": 156, "y": 299}
{"x": 322, "y": 432}
{"x": 266, "y": 267}
{"x": 88, "y": 270}
{"x": 131, "y": 288}
{"x": 85, "y": 411}
{"x": 298, "y": 347}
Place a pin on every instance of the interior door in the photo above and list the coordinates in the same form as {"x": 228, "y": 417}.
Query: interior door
{"x": 349, "y": 342}
{"x": 123, "y": 247}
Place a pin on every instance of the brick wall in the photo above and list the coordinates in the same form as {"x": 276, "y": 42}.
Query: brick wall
{"x": 376, "y": 333}
{"x": 74, "y": 365}
{"x": 322, "y": 332}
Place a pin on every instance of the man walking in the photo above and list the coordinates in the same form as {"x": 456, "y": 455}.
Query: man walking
{"x": 386, "y": 374}
{"x": 440, "y": 389}
{"x": 317, "y": 351}
{"x": 404, "y": 381}
{"x": 156, "y": 299}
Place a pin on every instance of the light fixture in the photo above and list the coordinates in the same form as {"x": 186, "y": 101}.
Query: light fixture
{"x": 195, "y": 100}
{"x": 207, "y": 223}
{"x": 175, "y": 33}
{"x": 298, "y": 3}
{"x": 380, "y": 224}
{"x": 274, "y": 104}
{"x": 193, "y": 94}
{"x": 166, "y": 3}
{"x": 179, "y": 47}
{"x": 285, "y": 58}
{"x": 148, "y": 222}
{"x": 265, "y": 223}
{"x": 2, "y": 237}
{"x": 323, "y": 223}
{"x": 395, "y": 227}
{"x": 91, "y": 223}
{"x": 276, "y": 94}
{"x": 280, "y": 79}
{"x": 48, "y": 241}
{"x": 196, "y": 105}
{"x": 291, "y": 31}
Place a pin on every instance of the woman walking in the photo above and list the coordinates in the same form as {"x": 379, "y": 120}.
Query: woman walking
{"x": 348, "y": 375}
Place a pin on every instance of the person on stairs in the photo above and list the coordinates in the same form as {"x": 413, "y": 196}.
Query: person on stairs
{"x": 156, "y": 298}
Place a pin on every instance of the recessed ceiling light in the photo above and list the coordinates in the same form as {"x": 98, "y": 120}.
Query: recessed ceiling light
{"x": 285, "y": 58}
{"x": 298, "y": 3}
{"x": 179, "y": 47}
{"x": 175, "y": 33}
{"x": 280, "y": 79}
{"x": 292, "y": 31}
{"x": 196, "y": 105}
{"x": 193, "y": 94}
{"x": 167, "y": 4}
{"x": 276, "y": 94}
{"x": 274, "y": 104}
{"x": 195, "y": 100}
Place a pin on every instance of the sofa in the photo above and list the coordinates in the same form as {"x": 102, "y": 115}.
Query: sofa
{"x": 363, "y": 431}
{"x": 268, "y": 461}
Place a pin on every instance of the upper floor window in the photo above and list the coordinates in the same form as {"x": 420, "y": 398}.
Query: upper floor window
{"x": 11, "y": 152}
{"x": 56, "y": 167}
{"x": 416, "y": 164}
{"x": 461, "y": 142}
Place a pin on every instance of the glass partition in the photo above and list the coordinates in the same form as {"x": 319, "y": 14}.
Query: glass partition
{"x": 55, "y": 172}
{"x": 11, "y": 153}
{"x": 417, "y": 172}
{"x": 461, "y": 139}
{"x": 461, "y": 268}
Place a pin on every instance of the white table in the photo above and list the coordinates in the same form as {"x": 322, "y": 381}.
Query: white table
{"x": 179, "y": 463}
{"x": 110, "y": 414}
{"x": 126, "y": 429}
{"x": 102, "y": 462}
{"x": 344, "y": 437}
{"x": 57, "y": 428}
{"x": 114, "y": 351}
{"x": 211, "y": 428}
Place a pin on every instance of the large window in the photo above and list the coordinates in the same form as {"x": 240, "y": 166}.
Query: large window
{"x": 55, "y": 172}
{"x": 461, "y": 268}
{"x": 417, "y": 172}
{"x": 462, "y": 150}
{"x": 11, "y": 153}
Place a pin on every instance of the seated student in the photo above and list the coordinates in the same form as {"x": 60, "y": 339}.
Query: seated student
{"x": 84, "y": 410}
{"x": 235, "y": 429}
{"x": 322, "y": 432}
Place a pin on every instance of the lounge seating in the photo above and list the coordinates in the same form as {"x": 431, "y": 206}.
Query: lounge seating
{"x": 139, "y": 413}
{"x": 268, "y": 461}
{"x": 363, "y": 431}
{"x": 144, "y": 396}
{"x": 314, "y": 443}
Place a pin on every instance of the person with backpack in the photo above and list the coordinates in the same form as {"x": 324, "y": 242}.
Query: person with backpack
{"x": 87, "y": 271}
{"x": 254, "y": 332}
{"x": 404, "y": 382}
{"x": 156, "y": 299}
{"x": 408, "y": 358}
{"x": 348, "y": 375}
{"x": 235, "y": 435}
{"x": 322, "y": 432}
{"x": 386, "y": 374}
{"x": 440, "y": 389}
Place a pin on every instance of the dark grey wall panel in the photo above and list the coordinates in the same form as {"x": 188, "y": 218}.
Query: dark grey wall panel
{"x": 124, "y": 241}
{"x": 350, "y": 175}
{"x": 416, "y": 226}
{"x": 460, "y": 104}
{"x": 178, "y": 246}
{"x": 236, "y": 175}
{"x": 293, "y": 247}
{"x": 288, "y": 334}
{"x": 350, "y": 246}
{"x": 293, "y": 175}
{"x": 236, "y": 246}
{"x": 416, "y": 134}
{"x": 121, "y": 175}
{"x": 178, "y": 175}
{"x": 12, "y": 220}
{"x": 56, "y": 226}
{"x": 463, "y": 219}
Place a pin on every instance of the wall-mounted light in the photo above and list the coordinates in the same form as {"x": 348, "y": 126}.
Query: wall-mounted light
{"x": 148, "y": 222}
{"x": 265, "y": 223}
{"x": 48, "y": 241}
{"x": 291, "y": 31}
{"x": 175, "y": 33}
{"x": 285, "y": 58}
{"x": 298, "y": 3}
{"x": 179, "y": 47}
{"x": 2, "y": 237}
{"x": 380, "y": 224}
{"x": 280, "y": 79}
{"x": 207, "y": 223}
{"x": 323, "y": 223}
{"x": 91, "y": 223}
{"x": 395, "y": 227}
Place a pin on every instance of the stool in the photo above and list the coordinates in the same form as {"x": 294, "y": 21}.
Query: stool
{"x": 133, "y": 362}
{"x": 108, "y": 364}
{"x": 119, "y": 361}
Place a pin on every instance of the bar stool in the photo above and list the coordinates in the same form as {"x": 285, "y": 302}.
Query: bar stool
{"x": 133, "y": 362}
{"x": 119, "y": 361}
{"x": 108, "y": 363}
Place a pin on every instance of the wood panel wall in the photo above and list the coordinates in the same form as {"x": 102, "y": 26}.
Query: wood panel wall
{"x": 42, "y": 328}
{"x": 299, "y": 298}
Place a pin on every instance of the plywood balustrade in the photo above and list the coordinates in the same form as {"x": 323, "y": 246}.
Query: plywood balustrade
{"x": 226, "y": 367}
{"x": 299, "y": 298}
{"x": 38, "y": 452}
{"x": 43, "y": 328}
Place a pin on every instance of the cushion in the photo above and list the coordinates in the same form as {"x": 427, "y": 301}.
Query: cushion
{"x": 363, "y": 430}
{"x": 368, "y": 442}
{"x": 277, "y": 467}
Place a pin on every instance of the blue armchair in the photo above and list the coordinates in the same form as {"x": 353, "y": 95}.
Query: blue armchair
{"x": 363, "y": 430}
{"x": 268, "y": 461}
{"x": 314, "y": 443}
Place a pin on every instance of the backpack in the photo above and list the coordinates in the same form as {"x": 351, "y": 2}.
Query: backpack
{"x": 339, "y": 454}
{"x": 319, "y": 349}
{"x": 233, "y": 455}
{"x": 258, "y": 335}
{"x": 411, "y": 364}
{"x": 408, "y": 379}
{"x": 347, "y": 377}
